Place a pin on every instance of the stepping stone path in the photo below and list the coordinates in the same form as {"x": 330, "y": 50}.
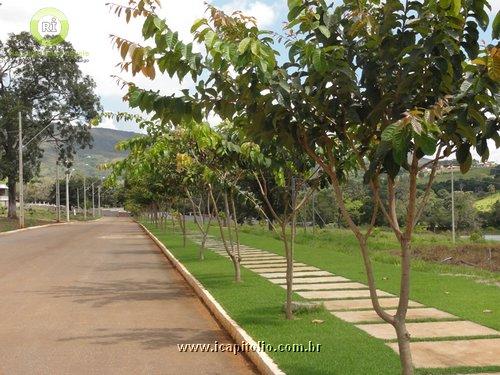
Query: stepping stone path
{"x": 442, "y": 340}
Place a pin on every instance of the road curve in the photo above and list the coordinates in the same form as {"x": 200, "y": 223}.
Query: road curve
{"x": 100, "y": 298}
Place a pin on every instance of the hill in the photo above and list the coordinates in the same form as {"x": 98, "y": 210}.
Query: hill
{"x": 486, "y": 204}
{"x": 87, "y": 160}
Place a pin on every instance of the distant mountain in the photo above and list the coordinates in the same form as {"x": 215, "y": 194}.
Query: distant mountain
{"x": 87, "y": 160}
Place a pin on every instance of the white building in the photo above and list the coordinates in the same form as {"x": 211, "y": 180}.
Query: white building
{"x": 4, "y": 195}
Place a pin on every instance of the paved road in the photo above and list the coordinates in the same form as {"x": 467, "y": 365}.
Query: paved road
{"x": 100, "y": 298}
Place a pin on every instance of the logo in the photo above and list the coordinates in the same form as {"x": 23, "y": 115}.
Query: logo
{"x": 49, "y": 26}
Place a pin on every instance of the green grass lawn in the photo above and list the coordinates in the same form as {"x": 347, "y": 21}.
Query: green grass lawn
{"x": 36, "y": 216}
{"x": 459, "y": 290}
{"x": 256, "y": 303}
{"x": 486, "y": 204}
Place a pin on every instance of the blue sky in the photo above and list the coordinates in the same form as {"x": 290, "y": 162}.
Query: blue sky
{"x": 91, "y": 23}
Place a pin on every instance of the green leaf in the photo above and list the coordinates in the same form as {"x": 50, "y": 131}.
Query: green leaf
{"x": 324, "y": 30}
{"x": 400, "y": 146}
{"x": 456, "y": 5}
{"x": 465, "y": 166}
{"x": 210, "y": 39}
{"x": 318, "y": 60}
{"x": 255, "y": 47}
{"x": 171, "y": 38}
{"x": 462, "y": 153}
{"x": 243, "y": 46}
{"x": 294, "y": 3}
{"x": 495, "y": 29}
{"x": 478, "y": 117}
{"x": 426, "y": 143}
{"x": 197, "y": 24}
{"x": 445, "y": 4}
{"x": 388, "y": 133}
{"x": 467, "y": 132}
{"x": 159, "y": 23}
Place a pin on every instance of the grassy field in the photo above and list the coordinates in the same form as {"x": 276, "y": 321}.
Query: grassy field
{"x": 35, "y": 216}
{"x": 256, "y": 304}
{"x": 486, "y": 204}
{"x": 476, "y": 173}
{"x": 461, "y": 290}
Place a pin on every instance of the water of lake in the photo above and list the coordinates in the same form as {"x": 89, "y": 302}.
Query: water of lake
{"x": 492, "y": 237}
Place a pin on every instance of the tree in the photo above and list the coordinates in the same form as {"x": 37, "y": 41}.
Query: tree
{"x": 55, "y": 98}
{"x": 367, "y": 87}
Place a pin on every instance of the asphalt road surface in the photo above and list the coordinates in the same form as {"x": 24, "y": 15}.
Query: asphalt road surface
{"x": 100, "y": 298}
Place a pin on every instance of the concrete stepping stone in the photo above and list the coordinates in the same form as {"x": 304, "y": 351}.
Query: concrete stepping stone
{"x": 312, "y": 280}
{"x": 371, "y": 315}
{"x": 260, "y": 261}
{"x": 283, "y": 269}
{"x": 295, "y": 274}
{"x": 258, "y": 256}
{"x": 429, "y": 330}
{"x": 352, "y": 304}
{"x": 244, "y": 259}
{"x": 329, "y": 286}
{"x": 263, "y": 256}
{"x": 341, "y": 294}
{"x": 458, "y": 353}
{"x": 267, "y": 263}
{"x": 273, "y": 265}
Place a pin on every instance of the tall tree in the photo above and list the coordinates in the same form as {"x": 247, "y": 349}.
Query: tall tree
{"x": 54, "y": 97}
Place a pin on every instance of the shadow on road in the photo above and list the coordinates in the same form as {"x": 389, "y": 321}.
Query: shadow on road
{"x": 99, "y": 294}
{"x": 131, "y": 266}
{"x": 150, "y": 339}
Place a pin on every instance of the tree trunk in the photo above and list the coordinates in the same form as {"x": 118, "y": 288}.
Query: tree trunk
{"x": 236, "y": 263}
{"x": 236, "y": 230}
{"x": 199, "y": 223}
{"x": 404, "y": 347}
{"x": 270, "y": 225}
{"x": 12, "y": 214}
{"x": 184, "y": 232}
{"x": 289, "y": 272}
{"x": 237, "y": 269}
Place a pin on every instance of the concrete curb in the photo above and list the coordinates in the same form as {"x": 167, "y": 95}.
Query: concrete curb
{"x": 261, "y": 360}
{"x": 45, "y": 226}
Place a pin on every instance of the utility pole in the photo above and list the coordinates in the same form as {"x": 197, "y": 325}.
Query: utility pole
{"x": 452, "y": 206}
{"x": 58, "y": 194}
{"x": 78, "y": 199}
{"x": 93, "y": 201}
{"x": 84, "y": 197}
{"x": 67, "y": 195}
{"x": 99, "y": 211}
{"x": 21, "y": 172}
{"x": 313, "y": 211}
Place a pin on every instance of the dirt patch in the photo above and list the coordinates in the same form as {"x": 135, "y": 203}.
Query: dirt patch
{"x": 485, "y": 256}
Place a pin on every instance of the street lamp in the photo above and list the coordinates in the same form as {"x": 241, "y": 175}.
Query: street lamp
{"x": 68, "y": 176}
{"x": 84, "y": 197}
{"x": 58, "y": 194}
{"x": 99, "y": 198}
{"x": 93, "y": 201}
{"x": 452, "y": 205}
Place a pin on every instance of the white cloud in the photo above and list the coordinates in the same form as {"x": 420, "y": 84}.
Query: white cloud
{"x": 494, "y": 152}
{"x": 108, "y": 124}
{"x": 90, "y": 27}
{"x": 265, "y": 14}
{"x": 495, "y": 6}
